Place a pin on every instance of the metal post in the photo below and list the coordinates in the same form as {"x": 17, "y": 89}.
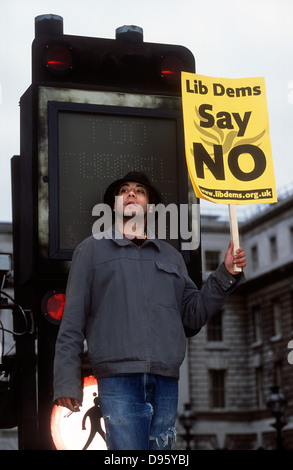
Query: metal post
{"x": 187, "y": 419}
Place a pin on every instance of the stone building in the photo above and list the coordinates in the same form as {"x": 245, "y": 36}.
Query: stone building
{"x": 8, "y": 437}
{"x": 243, "y": 352}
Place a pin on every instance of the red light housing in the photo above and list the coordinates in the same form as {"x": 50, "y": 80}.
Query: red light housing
{"x": 59, "y": 58}
{"x": 53, "y": 306}
{"x": 171, "y": 68}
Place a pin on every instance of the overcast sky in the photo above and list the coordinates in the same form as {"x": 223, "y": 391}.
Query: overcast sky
{"x": 229, "y": 38}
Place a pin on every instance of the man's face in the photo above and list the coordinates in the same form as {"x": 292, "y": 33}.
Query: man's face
{"x": 133, "y": 194}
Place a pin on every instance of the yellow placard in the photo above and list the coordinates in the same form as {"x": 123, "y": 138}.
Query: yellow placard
{"x": 227, "y": 141}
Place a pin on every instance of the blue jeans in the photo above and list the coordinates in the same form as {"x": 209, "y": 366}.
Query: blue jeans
{"x": 139, "y": 411}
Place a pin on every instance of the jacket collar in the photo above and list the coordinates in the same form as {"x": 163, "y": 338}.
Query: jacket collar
{"x": 115, "y": 234}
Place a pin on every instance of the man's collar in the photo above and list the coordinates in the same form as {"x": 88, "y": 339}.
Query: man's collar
{"x": 119, "y": 238}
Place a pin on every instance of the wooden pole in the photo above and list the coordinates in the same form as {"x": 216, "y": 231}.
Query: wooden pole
{"x": 234, "y": 230}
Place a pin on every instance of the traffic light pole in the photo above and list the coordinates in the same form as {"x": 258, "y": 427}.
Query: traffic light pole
{"x": 27, "y": 394}
{"x": 95, "y": 109}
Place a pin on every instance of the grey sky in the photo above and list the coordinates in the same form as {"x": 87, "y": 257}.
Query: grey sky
{"x": 229, "y": 38}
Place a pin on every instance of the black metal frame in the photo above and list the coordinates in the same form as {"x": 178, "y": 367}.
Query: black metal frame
{"x": 54, "y": 107}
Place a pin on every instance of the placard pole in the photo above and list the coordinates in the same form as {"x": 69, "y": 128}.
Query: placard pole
{"x": 234, "y": 230}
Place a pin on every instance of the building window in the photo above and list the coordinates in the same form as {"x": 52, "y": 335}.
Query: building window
{"x": 277, "y": 317}
{"x": 259, "y": 387}
{"x": 291, "y": 308}
{"x": 256, "y": 323}
{"x": 273, "y": 248}
{"x": 212, "y": 260}
{"x": 291, "y": 238}
{"x": 278, "y": 373}
{"x": 254, "y": 257}
{"x": 217, "y": 388}
{"x": 215, "y": 327}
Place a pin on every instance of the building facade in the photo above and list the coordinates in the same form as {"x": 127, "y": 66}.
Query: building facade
{"x": 243, "y": 352}
{"x": 8, "y": 436}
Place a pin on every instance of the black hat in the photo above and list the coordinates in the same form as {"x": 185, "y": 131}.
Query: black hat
{"x": 136, "y": 177}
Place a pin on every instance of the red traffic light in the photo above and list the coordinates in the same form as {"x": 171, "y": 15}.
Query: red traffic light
{"x": 171, "y": 68}
{"x": 59, "y": 58}
{"x": 53, "y": 305}
{"x": 126, "y": 63}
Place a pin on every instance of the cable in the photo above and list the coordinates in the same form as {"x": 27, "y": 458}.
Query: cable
{"x": 2, "y": 342}
{"x": 22, "y": 312}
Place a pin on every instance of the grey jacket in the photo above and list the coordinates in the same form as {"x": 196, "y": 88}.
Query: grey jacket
{"x": 130, "y": 304}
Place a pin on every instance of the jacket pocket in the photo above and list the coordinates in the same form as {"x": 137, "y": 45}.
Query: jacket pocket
{"x": 169, "y": 284}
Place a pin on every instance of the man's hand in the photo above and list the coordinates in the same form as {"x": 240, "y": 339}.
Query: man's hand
{"x": 71, "y": 403}
{"x": 231, "y": 260}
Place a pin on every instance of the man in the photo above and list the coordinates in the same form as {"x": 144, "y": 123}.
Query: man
{"x": 130, "y": 297}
